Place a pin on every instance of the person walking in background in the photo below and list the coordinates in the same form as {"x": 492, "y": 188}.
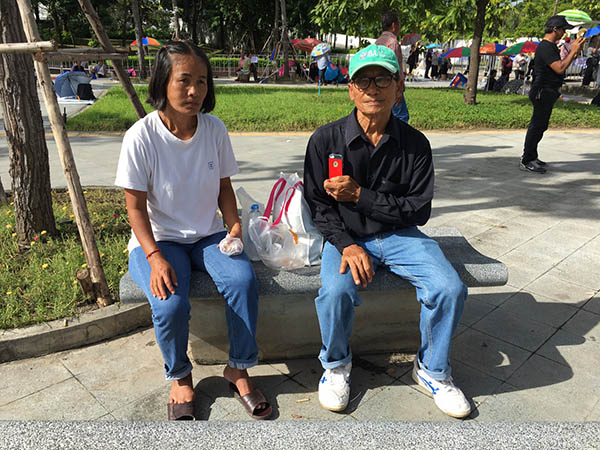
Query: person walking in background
{"x": 520, "y": 64}
{"x": 389, "y": 38}
{"x": 549, "y": 76}
{"x": 435, "y": 62}
{"x": 413, "y": 58}
{"x": 322, "y": 63}
{"x": 565, "y": 48}
{"x": 175, "y": 167}
{"x": 428, "y": 56}
{"x": 506, "y": 65}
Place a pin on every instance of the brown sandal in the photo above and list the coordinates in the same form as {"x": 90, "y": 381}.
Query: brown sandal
{"x": 252, "y": 403}
{"x": 181, "y": 411}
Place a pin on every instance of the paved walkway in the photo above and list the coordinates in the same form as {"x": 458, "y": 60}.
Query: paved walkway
{"x": 528, "y": 351}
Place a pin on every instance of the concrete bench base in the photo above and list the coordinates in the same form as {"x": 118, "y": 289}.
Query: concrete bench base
{"x": 288, "y": 327}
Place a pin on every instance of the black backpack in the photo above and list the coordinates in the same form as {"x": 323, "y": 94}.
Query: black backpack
{"x": 84, "y": 92}
{"x": 596, "y": 100}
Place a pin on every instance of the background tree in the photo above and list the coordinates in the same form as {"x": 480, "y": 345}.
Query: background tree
{"x": 29, "y": 168}
{"x": 139, "y": 35}
{"x": 471, "y": 91}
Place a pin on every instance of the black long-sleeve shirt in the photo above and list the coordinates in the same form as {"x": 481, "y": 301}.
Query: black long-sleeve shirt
{"x": 396, "y": 179}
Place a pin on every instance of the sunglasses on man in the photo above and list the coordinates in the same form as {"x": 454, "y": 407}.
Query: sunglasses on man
{"x": 381, "y": 81}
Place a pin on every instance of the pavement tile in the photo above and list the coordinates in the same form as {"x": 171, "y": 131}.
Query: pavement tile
{"x": 25, "y": 377}
{"x": 494, "y": 295}
{"x": 515, "y": 328}
{"x": 475, "y": 224}
{"x": 593, "y": 305}
{"x": 582, "y": 268}
{"x": 594, "y": 415}
{"x": 504, "y": 238}
{"x": 400, "y": 402}
{"x": 393, "y": 364}
{"x": 539, "y": 308}
{"x": 487, "y": 354}
{"x": 573, "y": 351}
{"x": 474, "y": 311}
{"x": 119, "y": 375}
{"x": 559, "y": 289}
{"x": 586, "y": 324}
{"x": 67, "y": 400}
{"x": 593, "y": 246}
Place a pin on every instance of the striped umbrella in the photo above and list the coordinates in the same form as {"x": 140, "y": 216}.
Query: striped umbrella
{"x": 521, "y": 47}
{"x": 491, "y": 49}
{"x": 575, "y": 16}
{"x": 320, "y": 49}
{"x": 147, "y": 41}
{"x": 457, "y": 52}
{"x": 305, "y": 45}
{"x": 410, "y": 39}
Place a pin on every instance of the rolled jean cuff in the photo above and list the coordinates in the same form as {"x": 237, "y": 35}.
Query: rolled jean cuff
{"x": 333, "y": 365}
{"x": 438, "y": 376}
{"x": 181, "y": 374}
{"x": 241, "y": 365}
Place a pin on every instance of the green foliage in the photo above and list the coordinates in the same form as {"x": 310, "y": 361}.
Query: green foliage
{"x": 39, "y": 284}
{"x": 266, "y": 108}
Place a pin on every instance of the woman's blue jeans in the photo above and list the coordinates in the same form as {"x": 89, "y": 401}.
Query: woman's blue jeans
{"x": 415, "y": 257}
{"x": 235, "y": 280}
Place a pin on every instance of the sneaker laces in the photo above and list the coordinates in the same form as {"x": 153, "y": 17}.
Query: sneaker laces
{"x": 337, "y": 376}
{"x": 447, "y": 385}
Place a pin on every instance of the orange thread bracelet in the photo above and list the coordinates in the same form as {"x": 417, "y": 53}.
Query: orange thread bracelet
{"x": 156, "y": 250}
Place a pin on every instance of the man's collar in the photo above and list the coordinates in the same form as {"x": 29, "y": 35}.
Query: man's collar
{"x": 353, "y": 129}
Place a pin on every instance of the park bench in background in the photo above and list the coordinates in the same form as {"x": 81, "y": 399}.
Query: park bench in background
{"x": 387, "y": 320}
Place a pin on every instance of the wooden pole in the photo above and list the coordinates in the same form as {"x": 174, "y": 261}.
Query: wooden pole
{"x": 94, "y": 20}
{"x": 28, "y": 47}
{"x": 86, "y": 232}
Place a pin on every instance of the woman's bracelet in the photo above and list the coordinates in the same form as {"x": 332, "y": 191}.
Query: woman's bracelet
{"x": 156, "y": 250}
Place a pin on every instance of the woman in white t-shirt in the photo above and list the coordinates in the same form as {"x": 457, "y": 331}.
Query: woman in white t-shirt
{"x": 175, "y": 167}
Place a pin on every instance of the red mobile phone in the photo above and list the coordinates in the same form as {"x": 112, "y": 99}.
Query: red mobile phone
{"x": 335, "y": 165}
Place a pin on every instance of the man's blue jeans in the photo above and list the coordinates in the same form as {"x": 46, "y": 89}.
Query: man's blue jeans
{"x": 401, "y": 111}
{"x": 235, "y": 280}
{"x": 415, "y": 257}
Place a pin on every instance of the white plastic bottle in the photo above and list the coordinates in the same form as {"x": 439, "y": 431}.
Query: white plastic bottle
{"x": 249, "y": 246}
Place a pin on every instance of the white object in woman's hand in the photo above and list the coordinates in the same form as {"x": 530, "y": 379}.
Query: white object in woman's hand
{"x": 231, "y": 246}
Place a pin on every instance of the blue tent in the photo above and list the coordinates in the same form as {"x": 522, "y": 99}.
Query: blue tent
{"x": 66, "y": 84}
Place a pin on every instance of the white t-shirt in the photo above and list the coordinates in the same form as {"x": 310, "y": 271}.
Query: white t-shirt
{"x": 181, "y": 178}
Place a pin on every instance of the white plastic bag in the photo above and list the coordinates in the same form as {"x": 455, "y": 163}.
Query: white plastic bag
{"x": 290, "y": 208}
{"x": 231, "y": 246}
{"x": 275, "y": 243}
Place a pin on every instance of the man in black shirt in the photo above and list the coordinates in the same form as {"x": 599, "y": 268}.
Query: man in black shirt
{"x": 369, "y": 217}
{"x": 549, "y": 72}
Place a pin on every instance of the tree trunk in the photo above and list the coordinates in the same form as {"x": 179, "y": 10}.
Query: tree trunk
{"x": 94, "y": 20}
{"x": 139, "y": 34}
{"x": 194, "y": 24}
{"x": 175, "y": 20}
{"x": 124, "y": 24}
{"x": 471, "y": 91}
{"x": 29, "y": 167}
{"x": 285, "y": 40}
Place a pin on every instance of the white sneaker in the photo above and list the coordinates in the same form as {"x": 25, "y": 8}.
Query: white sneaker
{"x": 334, "y": 388}
{"x": 447, "y": 396}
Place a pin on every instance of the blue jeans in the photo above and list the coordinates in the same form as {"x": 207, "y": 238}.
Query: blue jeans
{"x": 415, "y": 257}
{"x": 401, "y": 111}
{"x": 235, "y": 280}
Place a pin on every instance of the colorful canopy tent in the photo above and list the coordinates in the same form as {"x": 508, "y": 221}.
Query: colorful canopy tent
{"x": 305, "y": 45}
{"x": 66, "y": 85}
{"x": 521, "y": 47}
{"x": 492, "y": 49}
{"x": 575, "y": 16}
{"x": 150, "y": 41}
{"x": 457, "y": 52}
{"x": 593, "y": 31}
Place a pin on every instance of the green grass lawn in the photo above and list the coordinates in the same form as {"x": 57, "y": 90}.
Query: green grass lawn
{"x": 266, "y": 108}
{"x": 39, "y": 284}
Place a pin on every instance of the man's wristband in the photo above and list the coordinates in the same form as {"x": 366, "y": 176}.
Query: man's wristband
{"x": 156, "y": 250}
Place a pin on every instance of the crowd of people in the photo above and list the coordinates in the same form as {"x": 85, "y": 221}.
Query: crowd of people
{"x": 99, "y": 70}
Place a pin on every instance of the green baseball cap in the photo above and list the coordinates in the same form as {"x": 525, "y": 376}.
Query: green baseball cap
{"x": 374, "y": 55}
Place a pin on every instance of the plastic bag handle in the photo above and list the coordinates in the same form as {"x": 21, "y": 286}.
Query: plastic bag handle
{"x": 286, "y": 204}
{"x": 273, "y": 197}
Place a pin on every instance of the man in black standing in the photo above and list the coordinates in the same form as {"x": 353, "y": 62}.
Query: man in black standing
{"x": 549, "y": 75}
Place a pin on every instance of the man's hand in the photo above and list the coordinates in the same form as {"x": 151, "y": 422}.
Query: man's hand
{"x": 577, "y": 44}
{"x": 342, "y": 189}
{"x": 360, "y": 264}
{"x": 162, "y": 275}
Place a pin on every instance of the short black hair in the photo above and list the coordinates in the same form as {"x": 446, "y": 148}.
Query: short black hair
{"x": 388, "y": 18}
{"x": 157, "y": 89}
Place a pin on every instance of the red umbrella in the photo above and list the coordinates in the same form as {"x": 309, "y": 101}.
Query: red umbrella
{"x": 521, "y": 47}
{"x": 147, "y": 41}
{"x": 491, "y": 49}
{"x": 306, "y": 45}
{"x": 410, "y": 39}
{"x": 457, "y": 52}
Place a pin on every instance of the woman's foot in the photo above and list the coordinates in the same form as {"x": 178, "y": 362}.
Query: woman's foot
{"x": 182, "y": 391}
{"x": 239, "y": 378}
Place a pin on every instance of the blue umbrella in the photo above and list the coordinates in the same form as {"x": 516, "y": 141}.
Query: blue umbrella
{"x": 433, "y": 46}
{"x": 593, "y": 31}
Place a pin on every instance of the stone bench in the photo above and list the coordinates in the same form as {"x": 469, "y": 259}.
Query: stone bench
{"x": 387, "y": 320}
